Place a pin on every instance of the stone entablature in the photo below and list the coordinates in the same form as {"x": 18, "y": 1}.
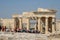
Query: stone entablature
{"x": 46, "y": 10}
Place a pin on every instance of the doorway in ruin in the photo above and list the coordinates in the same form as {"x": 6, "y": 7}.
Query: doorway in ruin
{"x": 33, "y": 24}
{"x": 24, "y": 26}
{"x": 16, "y": 22}
{"x": 50, "y": 24}
{"x": 43, "y": 24}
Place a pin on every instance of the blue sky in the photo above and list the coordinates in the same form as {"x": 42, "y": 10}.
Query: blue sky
{"x": 9, "y": 7}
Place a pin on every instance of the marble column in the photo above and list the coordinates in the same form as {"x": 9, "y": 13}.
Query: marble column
{"x": 53, "y": 25}
{"x": 28, "y": 23}
{"x": 46, "y": 25}
{"x": 39, "y": 24}
{"x": 20, "y": 26}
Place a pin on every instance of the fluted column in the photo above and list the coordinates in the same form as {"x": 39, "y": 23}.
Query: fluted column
{"x": 39, "y": 24}
{"x": 28, "y": 23}
{"x": 53, "y": 25}
{"x": 20, "y": 26}
{"x": 46, "y": 25}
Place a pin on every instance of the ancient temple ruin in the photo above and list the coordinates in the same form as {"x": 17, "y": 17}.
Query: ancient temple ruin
{"x": 43, "y": 20}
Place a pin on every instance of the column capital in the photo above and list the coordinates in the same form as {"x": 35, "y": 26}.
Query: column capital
{"x": 53, "y": 17}
{"x": 38, "y": 17}
{"x": 28, "y": 17}
{"x": 46, "y": 17}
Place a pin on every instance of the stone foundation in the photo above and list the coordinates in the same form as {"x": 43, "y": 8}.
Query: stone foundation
{"x": 22, "y": 36}
{"x": 27, "y": 36}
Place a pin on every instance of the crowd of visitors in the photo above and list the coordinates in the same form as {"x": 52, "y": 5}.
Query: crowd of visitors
{"x": 4, "y": 29}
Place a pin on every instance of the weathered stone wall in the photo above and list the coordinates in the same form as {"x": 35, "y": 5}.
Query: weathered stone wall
{"x": 58, "y": 26}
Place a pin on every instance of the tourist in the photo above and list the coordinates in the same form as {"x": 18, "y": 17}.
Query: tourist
{"x": 0, "y": 27}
